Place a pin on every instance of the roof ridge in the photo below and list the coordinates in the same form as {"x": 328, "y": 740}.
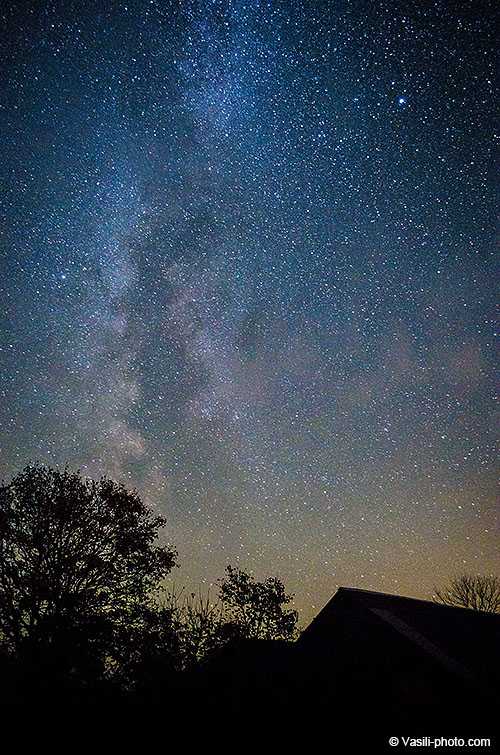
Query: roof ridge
{"x": 409, "y": 597}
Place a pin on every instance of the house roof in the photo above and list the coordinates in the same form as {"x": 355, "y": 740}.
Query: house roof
{"x": 463, "y": 641}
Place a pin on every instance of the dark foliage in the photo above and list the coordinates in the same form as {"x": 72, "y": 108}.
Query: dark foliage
{"x": 82, "y": 615}
{"x": 246, "y": 609}
{"x": 77, "y": 561}
{"x": 257, "y": 610}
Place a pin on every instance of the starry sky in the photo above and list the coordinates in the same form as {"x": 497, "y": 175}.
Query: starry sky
{"x": 247, "y": 268}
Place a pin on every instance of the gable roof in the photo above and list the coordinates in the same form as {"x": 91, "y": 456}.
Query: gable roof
{"x": 462, "y": 641}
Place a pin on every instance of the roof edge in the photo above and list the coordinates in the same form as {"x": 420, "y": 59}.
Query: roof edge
{"x": 359, "y": 590}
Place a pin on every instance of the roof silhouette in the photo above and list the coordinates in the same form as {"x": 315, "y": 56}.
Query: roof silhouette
{"x": 462, "y": 641}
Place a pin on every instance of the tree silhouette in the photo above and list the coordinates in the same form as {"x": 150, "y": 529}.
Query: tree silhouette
{"x": 256, "y": 610}
{"x": 147, "y": 651}
{"x": 201, "y": 625}
{"x": 77, "y": 558}
{"x": 82, "y": 607}
{"x": 190, "y": 626}
{"x": 470, "y": 591}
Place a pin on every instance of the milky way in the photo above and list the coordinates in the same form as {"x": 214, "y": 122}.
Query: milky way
{"x": 247, "y": 268}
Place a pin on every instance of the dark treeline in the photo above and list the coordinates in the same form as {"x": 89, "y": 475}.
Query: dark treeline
{"x": 83, "y": 613}
{"x": 85, "y": 619}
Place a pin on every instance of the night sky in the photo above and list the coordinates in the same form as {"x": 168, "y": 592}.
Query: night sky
{"x": 247, "y": 268}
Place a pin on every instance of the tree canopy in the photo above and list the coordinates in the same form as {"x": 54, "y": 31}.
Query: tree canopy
{"x": 258, "y": 610}
{"x": 76, "y": 557}
{"x": 83, "y": 602}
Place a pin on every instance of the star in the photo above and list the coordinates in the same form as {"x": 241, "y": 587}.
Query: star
{"x": 244, "y": 281}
